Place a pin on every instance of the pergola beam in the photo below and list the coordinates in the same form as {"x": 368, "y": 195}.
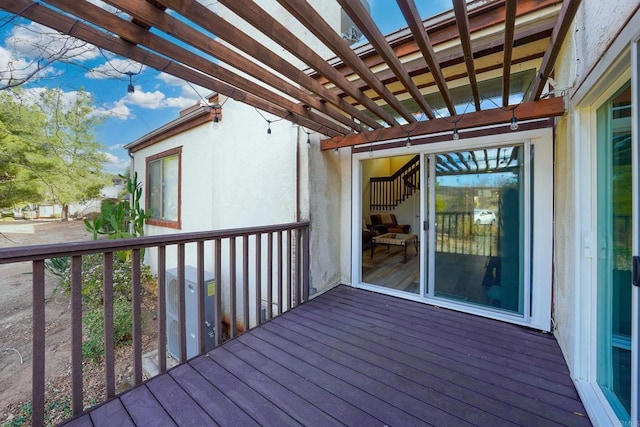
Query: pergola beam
{"x": 363, "y": 20}
{"x": 213, "y": 23}
{"x": 509, "y": 31}
{"x": 462, "y": 19}
{"x": 311, "y": 19}
{"x": 552, "y": 107}
{"x": 41, "y": 14}
{"x": 563, "y": 23}
{"x": 259, "y": 18}
{"x": 151, "y": 15}
{"x": 410, "y": 12}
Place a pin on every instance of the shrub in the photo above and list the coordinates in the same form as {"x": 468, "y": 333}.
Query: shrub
{"x": 93, "y": 346}
{"x": 92, "y": 277}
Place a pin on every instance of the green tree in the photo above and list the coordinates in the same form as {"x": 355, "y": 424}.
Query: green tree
{"x": 72, "y": 169}
{"x": 48, "y": 149}
{"x": 21, "y": 132}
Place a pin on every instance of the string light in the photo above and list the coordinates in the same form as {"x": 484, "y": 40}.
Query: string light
{"x": 514, "y": 120}
{"x": 456, "y": 135}
{"x": 269, "y": 121}
{"x": 130, "y": 88}
{"x": 408, "y": 143}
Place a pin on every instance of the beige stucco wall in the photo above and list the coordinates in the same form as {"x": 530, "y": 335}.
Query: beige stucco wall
{"x": 596, "y": 25}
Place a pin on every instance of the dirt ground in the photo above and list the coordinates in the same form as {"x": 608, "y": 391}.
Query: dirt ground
{"x": 15, "y": 310}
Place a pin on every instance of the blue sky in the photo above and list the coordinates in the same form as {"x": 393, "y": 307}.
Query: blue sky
{"x": 158, "y": 97}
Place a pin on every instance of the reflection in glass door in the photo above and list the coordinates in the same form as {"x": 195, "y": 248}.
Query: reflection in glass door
{"x": 478, "y": 242}
{"x": 614, "y": 252}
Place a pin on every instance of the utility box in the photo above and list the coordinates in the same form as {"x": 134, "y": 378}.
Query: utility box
{"x": 191, "y": 311}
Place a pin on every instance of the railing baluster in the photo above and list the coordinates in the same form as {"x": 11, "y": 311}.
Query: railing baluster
{"x": 258, "y": 307}
{"x": 279, "y": 273}
{"x": 182, "y": 316}
{"x": 289, "y": 271}
{"x": 109, "y": 372}
{"x": 296, "y": 291}
{"x": 245, "y": 282}
{"x": 136, "y": 302}
{"x": 38, "y": 343}
{"x": 76, "y": 334}
{"x": 202, "y": 347}
{"x": 269, "y": 309}
{"x": 232, "y": 288}
{"x": 305, "y": 264}
{"x": 162, "y": 309}
{"x": 217, "y": 314}
{"x": 298, "y": 252}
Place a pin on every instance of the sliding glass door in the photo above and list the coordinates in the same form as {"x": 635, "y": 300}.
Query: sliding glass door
{"x": 614, "y": 226}
{"x": 478, "y": 219}
{"x": 453, "y": 226}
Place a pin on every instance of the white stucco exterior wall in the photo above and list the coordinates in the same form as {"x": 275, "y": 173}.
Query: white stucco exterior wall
{"x": 596, "y": 26}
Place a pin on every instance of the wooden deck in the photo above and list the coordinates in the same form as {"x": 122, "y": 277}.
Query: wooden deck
{"x": 352, "y": 357}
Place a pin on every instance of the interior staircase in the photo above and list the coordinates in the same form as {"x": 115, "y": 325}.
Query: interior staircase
{"x": 387, "y": 192}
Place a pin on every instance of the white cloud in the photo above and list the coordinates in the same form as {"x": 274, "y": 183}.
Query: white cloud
{"x": 151, "y": 100}
{"x": 34, "y": 41}
{"x": 189, "y": 91}
{"x": 119, "y": 110}
{"x": 115, "y": 67}
{"x": 13, "y": 68}
{"x": 110, "y": 158}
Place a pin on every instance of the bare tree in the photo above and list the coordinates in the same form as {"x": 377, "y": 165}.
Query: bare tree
{"x": 30, "y": 51}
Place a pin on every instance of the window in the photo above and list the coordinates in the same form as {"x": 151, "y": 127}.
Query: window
{"x": 163, "y": 188}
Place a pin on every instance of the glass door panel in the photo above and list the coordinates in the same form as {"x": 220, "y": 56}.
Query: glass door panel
{"x": 614, "y": 251}
{"x": 391, "y": 222}
{"x": 479, "y": 227}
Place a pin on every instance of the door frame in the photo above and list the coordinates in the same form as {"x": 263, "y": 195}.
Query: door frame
{"x": 620, "y": 64}
{"x": 542, "y": 139}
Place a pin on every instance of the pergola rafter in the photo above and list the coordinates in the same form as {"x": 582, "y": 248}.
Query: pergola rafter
{"x": 376, "y": 90}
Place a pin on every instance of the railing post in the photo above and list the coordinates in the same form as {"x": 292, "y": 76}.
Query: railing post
{"x": 136, "y": 302}
{"x": 38, "y": 329}
{"x": 245, "y": 282}
{"x": 162, "y": 309}
{"x": 258, "y": 307}
{"x": 232, "y": 288}
{"x": 279, "y": 311}
{"x": 76, "y": 334}
{"x": 109, "y": 371}
{"x": 289, "y": 270}
{"x": 269, "y": 309}
{"x": 306, "y": 263}
{"x": 202, "y": 345}
{"x": 182, "y": 316}
{"x": 217, "y": 314}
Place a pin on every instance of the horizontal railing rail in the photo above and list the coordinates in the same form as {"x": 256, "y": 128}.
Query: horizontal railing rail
{"x": 273, "y": 260}
{"x": 457, "y": 232}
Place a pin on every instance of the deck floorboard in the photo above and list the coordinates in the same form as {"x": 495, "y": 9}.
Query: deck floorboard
{"x": 354, "y": 357}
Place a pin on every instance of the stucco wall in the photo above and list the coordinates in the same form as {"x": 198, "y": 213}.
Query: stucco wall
{"x": 596, "y": 26}
{"x": 329, "y": 227}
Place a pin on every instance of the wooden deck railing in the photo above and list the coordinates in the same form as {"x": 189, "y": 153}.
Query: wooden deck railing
{"x": 457, "y": 233}
{"x": 284, "y": 249}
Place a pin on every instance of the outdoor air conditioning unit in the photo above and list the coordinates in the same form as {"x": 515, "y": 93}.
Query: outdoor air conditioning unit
{"x": 191, "y": 311}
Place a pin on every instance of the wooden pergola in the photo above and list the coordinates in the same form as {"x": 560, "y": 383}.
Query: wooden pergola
{"x": 433, "y": 77}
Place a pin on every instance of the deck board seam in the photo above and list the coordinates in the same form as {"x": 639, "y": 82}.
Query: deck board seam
{"x": 337, "y": 379}
{"x": 516, "y": 384}
{"x": 541, "y": 406}
{"x": 405, "y": 336}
